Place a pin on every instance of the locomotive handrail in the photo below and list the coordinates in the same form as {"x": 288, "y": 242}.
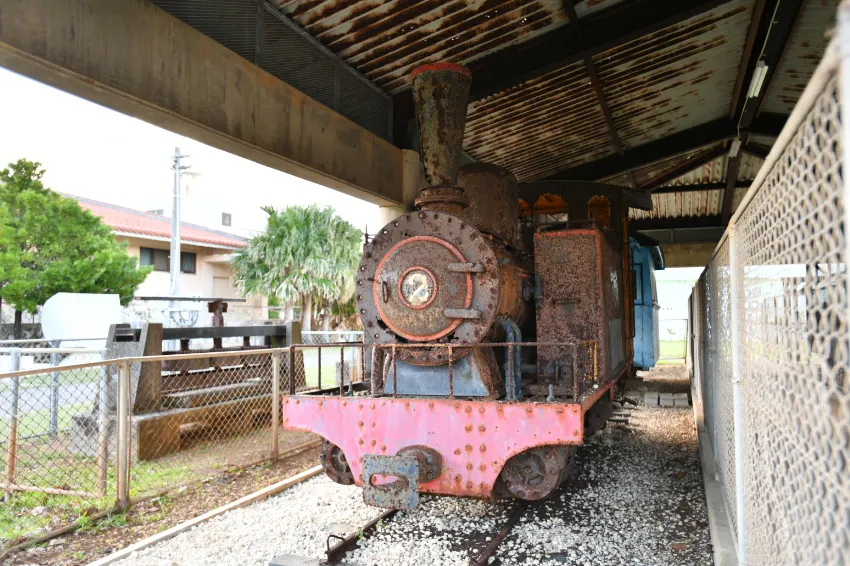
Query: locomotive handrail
{"x": 451, "y": 347}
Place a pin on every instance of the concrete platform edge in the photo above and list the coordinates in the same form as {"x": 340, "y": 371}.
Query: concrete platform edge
{"x": 722, "y": 540}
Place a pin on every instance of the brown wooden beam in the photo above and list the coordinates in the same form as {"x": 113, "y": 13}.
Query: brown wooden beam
{"x": 729, "y": 194}
{"x": 693, "y": 163}
{"x": 718, "y": 186}
{"x": 747, "y": 64}
{"x": 597, "y": 89}
{"x": 612, "y": 27}
{"x": 677, "y": 222}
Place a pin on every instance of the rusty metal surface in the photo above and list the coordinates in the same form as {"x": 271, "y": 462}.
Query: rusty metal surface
{"x": 578, "y": 304}
{"x": 493, "y": 194}
{"x": 551, "y": 122}
{"x": 536, "y": 473}
{"x": 712, "y": 172}
{"x": 804, "y": 52}
{"x": 440, "y": 92}
{"x": 677, "y": 78}
{"x": 433, "y": 241}
{"x": 386, "y": 40}
{"x": 694, "y": 203}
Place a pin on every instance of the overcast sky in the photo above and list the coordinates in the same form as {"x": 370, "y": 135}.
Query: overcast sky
{"x": 91, "y": 151}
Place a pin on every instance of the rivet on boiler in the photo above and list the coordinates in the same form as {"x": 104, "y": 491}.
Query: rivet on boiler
{"x": 483, "y": 448}
{"x": 482, "y": 428}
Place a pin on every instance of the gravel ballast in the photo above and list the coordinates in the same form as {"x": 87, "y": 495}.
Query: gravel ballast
{"x": 636, "y": 498}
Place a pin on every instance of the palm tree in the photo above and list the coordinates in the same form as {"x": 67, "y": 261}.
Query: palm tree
{"x": 306, "y": 255}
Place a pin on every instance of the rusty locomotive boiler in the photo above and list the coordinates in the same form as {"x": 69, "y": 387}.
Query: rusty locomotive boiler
{"x": 496, "y": 341}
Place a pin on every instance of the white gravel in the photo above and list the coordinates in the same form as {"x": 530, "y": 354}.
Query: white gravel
{"x": 297, "y": 521}
{"x": 636, "y": 499}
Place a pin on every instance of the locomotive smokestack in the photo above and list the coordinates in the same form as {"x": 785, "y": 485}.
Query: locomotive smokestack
{"x": 440, "y": 93}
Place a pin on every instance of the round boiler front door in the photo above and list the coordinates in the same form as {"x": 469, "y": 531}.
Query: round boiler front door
{"x": 414, "y": 286}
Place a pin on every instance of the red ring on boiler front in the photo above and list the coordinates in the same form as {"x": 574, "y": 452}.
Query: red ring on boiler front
{"x": 376, "y": 289}
{"x": 433, "y": 280}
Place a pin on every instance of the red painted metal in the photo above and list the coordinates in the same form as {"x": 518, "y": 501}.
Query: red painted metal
{"x": 441, "y": 66}
{"x": 474, "y": 438}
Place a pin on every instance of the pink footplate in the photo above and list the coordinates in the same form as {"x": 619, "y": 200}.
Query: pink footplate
{"x": 475, "y": 438}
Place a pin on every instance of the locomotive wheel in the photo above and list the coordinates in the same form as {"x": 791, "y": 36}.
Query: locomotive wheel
{"x": 335, "y": 464}
{"x": 535, "y": 474}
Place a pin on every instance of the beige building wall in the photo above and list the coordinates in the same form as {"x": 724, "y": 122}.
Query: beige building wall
{"x": 212, "y": 278}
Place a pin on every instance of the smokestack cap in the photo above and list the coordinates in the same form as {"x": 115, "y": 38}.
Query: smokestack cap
{"x": 441, "y": 66}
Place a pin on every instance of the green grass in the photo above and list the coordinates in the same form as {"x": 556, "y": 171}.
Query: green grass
{"x": 38, "y": 422}
{"x": 40, "y": 466}
{"x": 671, "y": 351}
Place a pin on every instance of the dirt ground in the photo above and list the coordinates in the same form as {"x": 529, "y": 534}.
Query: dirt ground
{"x": 150, "y": 517}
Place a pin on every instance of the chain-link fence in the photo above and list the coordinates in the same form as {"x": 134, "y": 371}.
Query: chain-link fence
{"x": 128, "y": 428}
{"x": 770, "y": 347}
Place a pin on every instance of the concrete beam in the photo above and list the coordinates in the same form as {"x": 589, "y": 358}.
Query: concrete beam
{"x": 687, "y": 255}
{"x": 133, "y": 57}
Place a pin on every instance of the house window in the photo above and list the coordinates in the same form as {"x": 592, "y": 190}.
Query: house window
{"x": 157, "y": 211}
{"x": 187, "y": 262}
{"x": 226, "y": 219}
{"x": 160, "y": 260}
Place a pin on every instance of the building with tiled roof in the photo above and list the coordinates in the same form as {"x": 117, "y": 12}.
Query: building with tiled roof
{"x": 205, "y": 253}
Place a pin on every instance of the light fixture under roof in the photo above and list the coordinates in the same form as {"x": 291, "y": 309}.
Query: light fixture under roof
{"x": 735, "y": 147}
{"x": 759, "y": 73}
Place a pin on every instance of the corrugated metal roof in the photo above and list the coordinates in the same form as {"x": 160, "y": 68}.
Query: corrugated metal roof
{"x": 677, "y": 78}
{"x": 804, "y": 52}
{"x": 551, "y": 122}
{"x": 386, "y": 40}
{"x": 700, "y": 203}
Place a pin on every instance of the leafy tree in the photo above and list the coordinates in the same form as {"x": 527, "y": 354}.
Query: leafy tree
{"x": 306, "y": 255}
{"x": 48, "y": 245}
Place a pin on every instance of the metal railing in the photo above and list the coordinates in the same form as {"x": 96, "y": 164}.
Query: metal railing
{"x": 356, "y": 361}
{"x": 770, "y": 349}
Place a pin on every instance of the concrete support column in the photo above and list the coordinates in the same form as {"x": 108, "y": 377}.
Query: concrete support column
{"x": 412, "y": 179}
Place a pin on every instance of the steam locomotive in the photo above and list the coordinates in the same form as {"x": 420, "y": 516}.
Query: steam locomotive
{"x": 496, "y": 338}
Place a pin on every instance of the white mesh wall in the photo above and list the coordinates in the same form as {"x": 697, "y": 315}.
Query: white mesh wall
{"x": 792, "y": 350}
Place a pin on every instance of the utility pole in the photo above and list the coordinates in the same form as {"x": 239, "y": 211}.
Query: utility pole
{"x": 175, "y": 231}
{"x": 175, "y": 223}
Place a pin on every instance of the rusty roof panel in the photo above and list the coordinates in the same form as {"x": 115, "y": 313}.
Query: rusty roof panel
{"x": 679, "y": 77}
{"x": 549, "y": 123}
{"x": 687, "y": 205}
{"x": 678, "y": 205}
{"x": 711, "y": 172}
{"x": 804, "y": 51}
{"x": 386, "y": 40}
